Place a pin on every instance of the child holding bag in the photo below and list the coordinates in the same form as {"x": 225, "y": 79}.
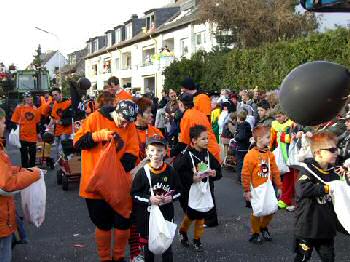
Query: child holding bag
{"x": 166, "y": 188}
{"x": 259, "y": 166}
{"x": 205, "y": 168}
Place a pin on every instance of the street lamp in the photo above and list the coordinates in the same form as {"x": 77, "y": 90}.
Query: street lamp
{"x": 59, "y": 57}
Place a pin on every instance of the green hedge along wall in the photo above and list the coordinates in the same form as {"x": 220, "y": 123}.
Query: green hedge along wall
{"x": 265, "y": 66}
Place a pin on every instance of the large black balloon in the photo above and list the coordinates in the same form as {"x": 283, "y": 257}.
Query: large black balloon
{"x": 84, "y": 83}
{"x": 315, "y": 92}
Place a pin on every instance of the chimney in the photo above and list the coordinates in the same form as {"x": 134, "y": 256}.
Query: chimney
{"x": 134, "y": 16}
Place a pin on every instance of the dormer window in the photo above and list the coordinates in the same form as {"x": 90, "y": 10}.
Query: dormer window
{"x": 96, "y": 44}
{"x": 150, "y": 23}
{"x": 118, "y": 35}
{"x": 109, "y": 39}
{"x": 128, "y": 30}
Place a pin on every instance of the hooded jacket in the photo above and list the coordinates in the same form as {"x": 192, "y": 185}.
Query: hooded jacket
{"x": 194, "y": 117}
{"x": 202, "y": 103}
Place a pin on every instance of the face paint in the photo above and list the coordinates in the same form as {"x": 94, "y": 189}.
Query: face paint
{"x": 156, "y": 155}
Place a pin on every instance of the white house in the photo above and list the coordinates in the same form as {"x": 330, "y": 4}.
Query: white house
{"x": 138, "y": 51}
{"x": 53, "y": 61}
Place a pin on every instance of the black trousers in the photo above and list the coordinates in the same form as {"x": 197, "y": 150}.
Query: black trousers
{"x": 28, "y": 152}
{"x": 167, "y": 256}
{"x": 240, "y": 158}
{"x": 104, "y": 217}
{"x": 211, "y": 219}
{"x": 323, "y": 247}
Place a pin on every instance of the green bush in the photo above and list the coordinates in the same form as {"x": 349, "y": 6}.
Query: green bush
{"x": 265, "y": 66}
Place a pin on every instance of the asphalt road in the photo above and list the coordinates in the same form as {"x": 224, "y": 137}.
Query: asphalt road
{"x": 68, "y": 235}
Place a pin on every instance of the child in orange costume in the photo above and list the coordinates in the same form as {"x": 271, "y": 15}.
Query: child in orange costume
{"x": 259, "y": 164}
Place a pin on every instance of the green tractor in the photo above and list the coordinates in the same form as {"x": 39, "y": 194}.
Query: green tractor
{"x": 13, "y": 88}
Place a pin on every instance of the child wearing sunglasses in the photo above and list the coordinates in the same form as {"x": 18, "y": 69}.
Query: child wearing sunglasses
{"x": 316, "y": 221}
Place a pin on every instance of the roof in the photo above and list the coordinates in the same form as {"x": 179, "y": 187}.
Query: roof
{"x": 171, "y": 24}
{"x": 45, "y": 57}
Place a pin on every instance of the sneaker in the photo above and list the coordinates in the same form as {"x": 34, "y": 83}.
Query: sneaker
{"x": 290, "y": 208}
{"x": 184, "y": 239}
{"x": 197, "y": 245}
{"x": 255, "y": 239}
{"x": 139, "y": 258}
{"x": 212, "y": 224}
{"x": 281, "y": 204}
{"x": 266, "y": 234}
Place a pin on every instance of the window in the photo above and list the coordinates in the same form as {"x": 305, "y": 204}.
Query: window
{"x": 150, "y": 23}
{"x": 118, "y": 35}
{"x": 128, "y": 30}
{"x": 148, "y": 56}
{"x": 107, "y": 66}
{"x": 96, "y": 45}
{"x": 94, "y": 69}
{"x": 198, "y": 39}
{"x": 109, "y": 39}
{"x": 126, "y": 60}
{"x": 184, "y": 46}
{"x": 117, "y": 66}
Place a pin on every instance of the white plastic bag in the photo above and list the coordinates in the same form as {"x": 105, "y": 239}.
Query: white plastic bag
{"x": 281, "y": 164}
{"x": 264, "y": 201}
{"x": 34, "y": 202}
{"x": 200, "y": 198}
{"x": 340, "y": 192}
{"x": 161, "y": 232}
{"x": 14, "y": 138}
{"x": 293, "y": 154}
{"x": 305, "y": 150}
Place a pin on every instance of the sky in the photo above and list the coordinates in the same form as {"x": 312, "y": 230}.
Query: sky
{"x": 72, "y": 23}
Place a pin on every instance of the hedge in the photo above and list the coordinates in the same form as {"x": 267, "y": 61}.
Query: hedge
{"x": 265, "y": 66}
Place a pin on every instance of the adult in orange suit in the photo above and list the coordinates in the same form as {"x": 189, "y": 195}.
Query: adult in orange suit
{"x": 119, "y": 92}
{"x": 27, "y": 116}
{"x": 201, "y": 100}
{"x": 100, "y": 127}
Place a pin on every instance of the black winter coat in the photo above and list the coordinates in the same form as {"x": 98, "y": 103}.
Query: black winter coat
{"x": 184, "y": 167}
{"x": 242, "y": 136}
{"x": 315, "y": 216}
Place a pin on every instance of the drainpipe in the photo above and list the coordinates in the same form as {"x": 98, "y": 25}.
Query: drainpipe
{"x": 156, "y": 51}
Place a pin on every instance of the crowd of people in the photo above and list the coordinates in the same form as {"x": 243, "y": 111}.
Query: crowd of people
{"x": 175, "y": 148}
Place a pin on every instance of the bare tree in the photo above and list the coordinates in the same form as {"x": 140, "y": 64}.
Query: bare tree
{"x": 253, "y": 22}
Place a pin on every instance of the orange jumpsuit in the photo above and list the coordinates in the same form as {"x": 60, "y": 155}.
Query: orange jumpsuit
{"x": 27, "y": 117}
{"x": 194, "y": 117}
{"x": 56, "y": 114}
